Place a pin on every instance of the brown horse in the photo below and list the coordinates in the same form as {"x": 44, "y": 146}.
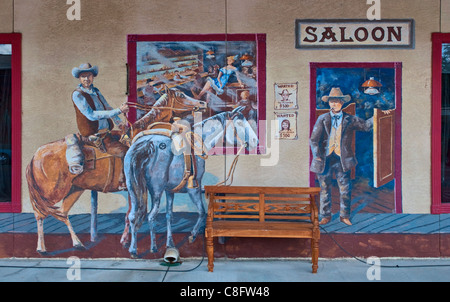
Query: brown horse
{"x": 49, "y": 179}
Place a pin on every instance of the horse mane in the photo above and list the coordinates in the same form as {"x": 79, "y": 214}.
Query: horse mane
{"x": 220, "y": 116}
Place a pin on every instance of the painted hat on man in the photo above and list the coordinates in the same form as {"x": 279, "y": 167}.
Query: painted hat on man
{"x": 337, "y": 94}
{"x": 85, "y": 67}
{"x": 285, "y": 91}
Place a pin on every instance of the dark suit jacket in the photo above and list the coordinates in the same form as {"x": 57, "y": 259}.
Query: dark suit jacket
{"x": 321, "y": 133}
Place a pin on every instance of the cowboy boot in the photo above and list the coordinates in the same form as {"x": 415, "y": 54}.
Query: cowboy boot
{"x": 122, "y": 179}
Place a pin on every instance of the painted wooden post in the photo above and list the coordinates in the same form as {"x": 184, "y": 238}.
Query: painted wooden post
{"x": 94, "y": 206}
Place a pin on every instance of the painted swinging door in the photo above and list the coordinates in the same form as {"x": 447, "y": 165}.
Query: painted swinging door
{"x": 377, "y": 183}
{"x": 383, "y": 147}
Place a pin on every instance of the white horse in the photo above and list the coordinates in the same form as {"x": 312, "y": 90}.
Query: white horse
{"x": 151, "y": 166}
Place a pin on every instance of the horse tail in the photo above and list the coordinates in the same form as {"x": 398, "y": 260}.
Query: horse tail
{"x": 137, "y": 160}
{"x": 42, "y": 206}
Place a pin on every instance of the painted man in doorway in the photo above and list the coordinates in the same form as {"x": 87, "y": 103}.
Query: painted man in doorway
{"x": 95, "y": 117}
{"x": 331, "y": 146}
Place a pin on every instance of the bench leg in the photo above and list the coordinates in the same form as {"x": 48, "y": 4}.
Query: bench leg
{"x": 210, "y": 253}
{"x": 314, "y": 254}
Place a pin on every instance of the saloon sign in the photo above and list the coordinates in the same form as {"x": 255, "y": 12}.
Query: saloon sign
{"x": 354, "y": 33}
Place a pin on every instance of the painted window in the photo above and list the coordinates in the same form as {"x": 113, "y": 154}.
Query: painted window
{"x": 440, "y": 134}
{"x": 224, "y": 70}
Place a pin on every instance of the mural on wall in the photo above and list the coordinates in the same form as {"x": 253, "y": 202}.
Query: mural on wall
{"x": 286, "y": 100}
{"x": 286, "y": 96}
{"x": 178, "y": 116}
{"x": 225, "y": 71}
{"x": 355, "y": 138}
{"x": 222, "y": 71}
{"x": 287, "y": 123}
{"x": 152, "y": 166}
{"x": 91, "y": 159}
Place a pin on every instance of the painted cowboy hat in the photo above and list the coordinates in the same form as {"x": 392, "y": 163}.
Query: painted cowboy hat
{"x": 285, "y": 91}
{"x": 337, "y": 94}
{"x": 85, "y": 67}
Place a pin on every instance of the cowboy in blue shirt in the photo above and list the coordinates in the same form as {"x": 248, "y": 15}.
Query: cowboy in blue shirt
{"x": 95, "y": 117}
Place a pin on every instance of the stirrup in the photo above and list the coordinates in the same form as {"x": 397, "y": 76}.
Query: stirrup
{"x": 192, "y": 183}
{"x": 98, "y": 142}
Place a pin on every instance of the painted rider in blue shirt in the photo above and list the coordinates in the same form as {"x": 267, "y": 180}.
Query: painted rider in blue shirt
{"x": 95, "y": 117}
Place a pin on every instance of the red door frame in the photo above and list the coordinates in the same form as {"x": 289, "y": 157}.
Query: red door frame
{"x": 437, "y": 207}
{"x": 15, "y": 206}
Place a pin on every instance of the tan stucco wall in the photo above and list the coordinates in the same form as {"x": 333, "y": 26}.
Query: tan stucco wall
{"x": 53, "y": 45}
{"x": 6, "y": 16}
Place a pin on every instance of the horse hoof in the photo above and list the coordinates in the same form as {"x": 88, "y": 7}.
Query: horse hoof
{"x": 125, "y": 242}
{"x": 192, "y": 238}
{"x": 134, "y": 256}
{"x": 79, "y": 247}
{"x": 42, "y": 253}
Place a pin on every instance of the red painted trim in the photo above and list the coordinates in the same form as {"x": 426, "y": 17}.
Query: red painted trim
{"x": 357, "y": 244}
{"x": 261, "y": 57}
{"x": 132, "y": 86}
{"x": 197, "y": 37}
{"x": 436, "y": 94}
{"x": 398, "y": 137}
{"x": 312, "y": 112}
{"x": 15, "y": 206}
{"x": 398, "y": 108}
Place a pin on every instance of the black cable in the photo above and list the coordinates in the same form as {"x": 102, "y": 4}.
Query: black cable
{"x": 106, "y": 268}
{"x": 118, "y": 268}
{"x": 168, "y": 267}
{"x": 384, "y": 266}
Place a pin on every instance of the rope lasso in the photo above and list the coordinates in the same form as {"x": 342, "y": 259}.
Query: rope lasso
{"x": 232, "y": 168}
{"x": 149, "y": 108}
{"x": 235, "y": 160}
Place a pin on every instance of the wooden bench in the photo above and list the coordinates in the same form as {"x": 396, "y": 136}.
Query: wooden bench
{"x": 266, "y": 212}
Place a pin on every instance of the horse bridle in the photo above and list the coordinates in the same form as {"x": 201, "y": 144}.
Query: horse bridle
{"x": 171, "y": 107}
{"x": 172, "y": 97}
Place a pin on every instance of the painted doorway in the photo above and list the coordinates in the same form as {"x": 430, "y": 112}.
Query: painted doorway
{"x": 374, "y": 91}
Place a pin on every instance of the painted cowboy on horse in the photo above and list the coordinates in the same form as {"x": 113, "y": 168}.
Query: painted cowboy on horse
{"x": 60, "y": 171}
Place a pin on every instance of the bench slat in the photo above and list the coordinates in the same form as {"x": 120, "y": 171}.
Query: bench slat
{"x": 257, "y": 190}
{"x": 236, "y": 216}
{"x": 236, "y": 207}
{"x": 237, "y": 197}
{"x": 287, "y": 217}
{"x": 284, "y": 198}
{"x": 287, "y": 208}
{"x": 258, "y": 229}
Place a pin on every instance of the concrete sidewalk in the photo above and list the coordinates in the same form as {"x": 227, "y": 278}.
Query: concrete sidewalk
{"x": 242, "y": 270}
